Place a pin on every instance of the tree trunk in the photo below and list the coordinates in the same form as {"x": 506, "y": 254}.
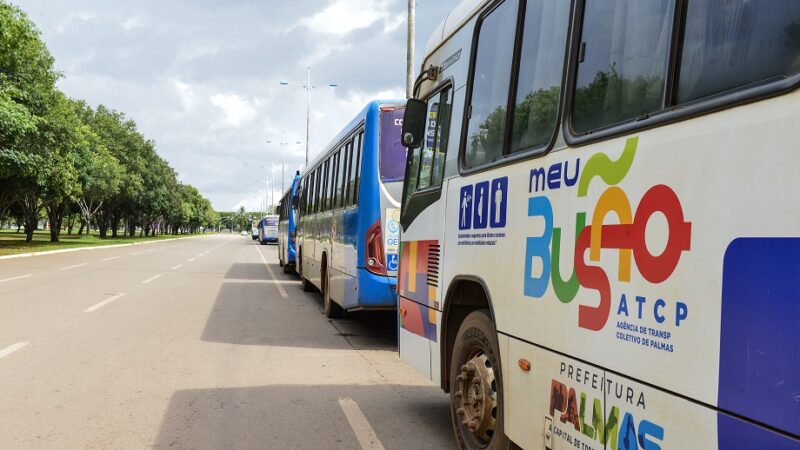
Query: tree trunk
{"x": 55, "y": 214}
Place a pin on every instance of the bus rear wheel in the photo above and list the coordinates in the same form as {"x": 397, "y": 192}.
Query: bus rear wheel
{"x": 332, "y": 309}
{"x": 476, "y": 396}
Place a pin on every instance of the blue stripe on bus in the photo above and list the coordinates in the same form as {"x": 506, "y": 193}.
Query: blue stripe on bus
{"x": 759, "y": 368}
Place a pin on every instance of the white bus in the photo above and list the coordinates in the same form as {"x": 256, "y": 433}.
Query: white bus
{"x": 600, "y": 227}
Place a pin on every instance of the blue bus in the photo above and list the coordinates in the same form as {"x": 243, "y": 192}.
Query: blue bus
{"x": 349, "y": 209}
{"x": 268, "y": 229}
{"x": 287, "y": 226}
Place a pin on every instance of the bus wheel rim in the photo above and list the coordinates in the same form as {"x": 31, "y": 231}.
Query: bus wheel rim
{"x": 476, "y": 397}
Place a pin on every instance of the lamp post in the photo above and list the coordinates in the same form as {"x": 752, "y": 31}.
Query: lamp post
{"x": 283, "y": 145}
{"x": 308, "y": 87}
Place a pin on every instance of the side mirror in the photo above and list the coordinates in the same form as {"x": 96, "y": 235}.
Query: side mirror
{"x": 414, "y": 120}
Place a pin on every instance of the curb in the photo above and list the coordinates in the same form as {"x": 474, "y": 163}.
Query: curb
{"x": 98, "y": 247}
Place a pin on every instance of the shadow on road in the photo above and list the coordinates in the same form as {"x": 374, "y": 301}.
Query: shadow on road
{"x": 248, "y": 271}
{"x": 304, "y": 416}
{"x": 253, "y": 314}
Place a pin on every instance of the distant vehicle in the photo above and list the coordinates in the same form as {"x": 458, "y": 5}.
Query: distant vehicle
{"x": 254, "y": 233}
{"x": 287, "y": 227}
{"x": 599, "y": 249}
{"x": 349, "y": 213}
{"x": 268, "y": 229}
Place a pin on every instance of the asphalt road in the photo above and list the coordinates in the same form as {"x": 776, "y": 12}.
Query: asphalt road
{"x": 197, "y": 343}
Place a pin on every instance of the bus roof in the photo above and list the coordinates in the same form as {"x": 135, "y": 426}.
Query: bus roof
{"x": 460, "y": 15}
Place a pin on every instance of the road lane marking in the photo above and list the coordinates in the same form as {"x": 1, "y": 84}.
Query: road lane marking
{"x": 191, "y": 259}
{"x": 17, "y": 278}
{"x": 358, "y": 422}
{"x": 272, "y": 274}
{"x": 103, "y": 303}
{"x": 136, "y": 253}
{"x": 176, "y": 267}
{"x": 154, "y": 277}
{"x": 109, "y": 259}
{"x": 74, "y": 267}
{"x": 12, "y": 348}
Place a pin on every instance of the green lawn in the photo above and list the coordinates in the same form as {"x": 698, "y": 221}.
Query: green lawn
{"x": 12, "y": 242}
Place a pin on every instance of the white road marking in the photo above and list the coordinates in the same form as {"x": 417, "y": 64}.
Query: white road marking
{"x": 176, "y": 267}
{"x": 154, "y": 277}
{"x": 191, "y": 259}
{"x": 363, "y": 430}
{"x": 12, "y": 348}
{"x": 272, "y": 274}
{"x": 103, "y": 303}
{"x": 136, "y": 253}
{"x": 74, "y": 267}
{"x": 109, "y": 259}
{"x": 17, "y": 278}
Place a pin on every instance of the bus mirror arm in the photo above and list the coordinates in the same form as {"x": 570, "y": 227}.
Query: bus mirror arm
{"x": 431, "y": 73}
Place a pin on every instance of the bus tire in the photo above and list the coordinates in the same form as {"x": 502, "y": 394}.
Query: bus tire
{"x": 332, "y": 309}
{"x": 476, "y": 394}
{"x": 287, "y": 268}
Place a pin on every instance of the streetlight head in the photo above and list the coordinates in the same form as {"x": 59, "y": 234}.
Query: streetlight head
{"x": 334, "y": 85}
{"x": 284, "y": 83}
{"x": 269, "y": 142}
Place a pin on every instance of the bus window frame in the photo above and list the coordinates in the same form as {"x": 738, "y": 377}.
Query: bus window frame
{"x": 432, "y": 193}
{"x": 531, "y": 152}
{"x": 671, "y": 112}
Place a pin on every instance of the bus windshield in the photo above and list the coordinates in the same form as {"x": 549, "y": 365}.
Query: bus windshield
{"x": 393, "y": 154}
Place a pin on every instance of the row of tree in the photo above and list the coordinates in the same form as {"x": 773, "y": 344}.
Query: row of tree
{"x": 62, "y": 158}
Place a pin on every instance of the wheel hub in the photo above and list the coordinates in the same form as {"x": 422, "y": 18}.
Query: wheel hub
{"x": 476, "y": 397}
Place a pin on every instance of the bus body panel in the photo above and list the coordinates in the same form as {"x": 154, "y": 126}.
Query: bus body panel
{"x": 268, "y": 229}
{"x": 337, "y": 236}
{"x": 287, "y": 228}
{"x": 683, "y": 302}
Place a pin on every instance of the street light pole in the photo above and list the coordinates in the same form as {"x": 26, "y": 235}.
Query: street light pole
{"x": 308, "y": 87}
{"x": 308, "y": 113}
{"x": 410, "y": 49}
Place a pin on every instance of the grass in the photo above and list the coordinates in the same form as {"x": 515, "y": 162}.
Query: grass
{"x": 12, "y": 243}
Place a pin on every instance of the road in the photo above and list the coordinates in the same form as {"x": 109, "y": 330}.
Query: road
{"x": 197, "y": 343}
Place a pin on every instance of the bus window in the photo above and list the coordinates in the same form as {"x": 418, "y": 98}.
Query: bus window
{"x": 621, "y": 76}
{"x": 332, "y": 186}
{"x": 539, "y": 81}
{"x": 427, "y": 162}
{"x": 357, "y": 166}
{"x": 444, "y": 110}
{"x": 341, "y": 185}
{"x": 490, "y": 85}
{"x": 392, "y": 152}
{"x": 717, "y": 57}
{"x": 348, "y": 174}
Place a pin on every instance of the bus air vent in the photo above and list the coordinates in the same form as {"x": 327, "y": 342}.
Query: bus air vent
{"x": 433, "y": 265}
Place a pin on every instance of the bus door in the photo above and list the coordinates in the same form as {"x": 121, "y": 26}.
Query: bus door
{"x": 421, "y": 247}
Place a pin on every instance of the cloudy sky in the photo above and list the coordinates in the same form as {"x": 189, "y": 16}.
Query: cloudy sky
{"x": 202, "y": 77}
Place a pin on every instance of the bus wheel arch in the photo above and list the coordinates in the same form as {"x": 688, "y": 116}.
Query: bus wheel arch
{"x": 464, "y": 295}
{"x": 472, "y": 367}
{"x": 332, "y": 309}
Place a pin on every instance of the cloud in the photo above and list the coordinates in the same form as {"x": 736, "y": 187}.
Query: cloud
{"x": 131, "y": 23}
{"x": 236, "y": 111}
{"x": 201, "y": 77}
{"x": 185, "y": 92}
{"x": 71, "y": 18}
